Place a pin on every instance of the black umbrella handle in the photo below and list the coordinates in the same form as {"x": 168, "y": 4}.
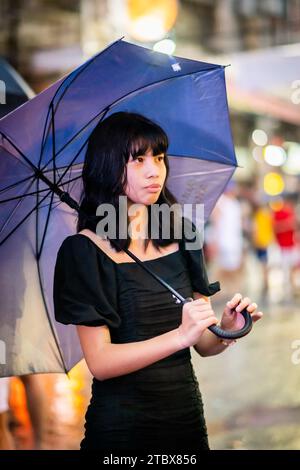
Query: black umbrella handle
{"x": 214, "y": 328}
{"x": 231, "y": 334}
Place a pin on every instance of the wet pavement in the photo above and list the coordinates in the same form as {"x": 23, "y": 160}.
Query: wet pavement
{"x": 251, "y": 391}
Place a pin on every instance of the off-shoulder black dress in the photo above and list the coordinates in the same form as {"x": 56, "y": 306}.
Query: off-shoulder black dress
{"x": 159, "y": 407}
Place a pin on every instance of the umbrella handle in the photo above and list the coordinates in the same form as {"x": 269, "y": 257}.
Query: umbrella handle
{"x": 215, "y": 329}
{"x": 231, "y": 334}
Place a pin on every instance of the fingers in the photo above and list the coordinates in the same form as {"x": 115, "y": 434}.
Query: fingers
{"x": 234, "y": 301}
{"x": 239, "y": 303}
{"x": 251, "y": 307}
{"x": 244, "y": 303}
{"x": 199, "y": 311}
{"x": 256, "y": 316}
{"x": 209, "y": 321}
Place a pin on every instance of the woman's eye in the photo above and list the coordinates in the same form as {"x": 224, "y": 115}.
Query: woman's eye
{"x": 141, "y": 159}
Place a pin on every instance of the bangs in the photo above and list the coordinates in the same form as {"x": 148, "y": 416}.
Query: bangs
{"x": 155, "y": 139}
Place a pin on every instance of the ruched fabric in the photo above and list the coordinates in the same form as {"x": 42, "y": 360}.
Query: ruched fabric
{"x": 159, "y": 407}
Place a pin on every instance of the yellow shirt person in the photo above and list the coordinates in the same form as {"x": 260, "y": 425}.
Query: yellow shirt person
{"x": 263, "y": 234}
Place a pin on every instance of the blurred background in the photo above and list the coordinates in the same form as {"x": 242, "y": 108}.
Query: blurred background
{"x": 250, "y": 392}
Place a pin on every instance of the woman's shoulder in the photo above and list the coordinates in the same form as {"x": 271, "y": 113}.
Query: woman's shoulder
{"x": 73, "y": 241}
{"x": 77, "y": 246}
{"x": 80, "y": 256}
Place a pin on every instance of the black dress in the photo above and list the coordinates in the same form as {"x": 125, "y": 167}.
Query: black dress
{"x": 159, "y": 407}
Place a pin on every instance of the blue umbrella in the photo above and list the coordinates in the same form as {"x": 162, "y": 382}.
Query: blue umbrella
{"x": 43, "y": 144}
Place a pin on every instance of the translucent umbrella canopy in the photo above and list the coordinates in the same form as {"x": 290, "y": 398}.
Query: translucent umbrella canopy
{"x": 48, "y": 136}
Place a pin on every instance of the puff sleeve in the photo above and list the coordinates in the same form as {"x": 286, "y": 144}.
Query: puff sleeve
{"x": 84, "y": 289}
{"x": 196, "y": 263}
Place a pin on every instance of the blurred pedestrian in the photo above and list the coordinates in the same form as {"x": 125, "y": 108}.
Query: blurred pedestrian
{"x": 284, "y": 223}
{"x": 262, "y": 239}
{"x": 6, "y": 438}
{"x": 34, "y": 385}
{"x": 228, "y": 240}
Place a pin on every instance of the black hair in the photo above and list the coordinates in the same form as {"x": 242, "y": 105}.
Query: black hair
{"x": 104, "y": 174}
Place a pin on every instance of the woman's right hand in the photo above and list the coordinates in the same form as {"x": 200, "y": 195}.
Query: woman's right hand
{"x": 197, "y": 315}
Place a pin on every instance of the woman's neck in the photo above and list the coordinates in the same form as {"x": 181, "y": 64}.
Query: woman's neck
{"x": 138, "y": 226}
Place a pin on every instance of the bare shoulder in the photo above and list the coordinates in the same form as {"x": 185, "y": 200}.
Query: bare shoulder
{"x": 121, "y": 257}
{"x": 105, "y": 246}
{"x": 102, "y": 243}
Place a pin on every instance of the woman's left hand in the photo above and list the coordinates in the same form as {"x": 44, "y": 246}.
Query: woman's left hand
{"x": 232, "y": 318}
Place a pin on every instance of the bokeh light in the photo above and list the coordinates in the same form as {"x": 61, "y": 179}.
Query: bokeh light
{"x": 274, "y": 155}
{"x": 292, "y": 164}
{"x": 259, "y": 137}
{"x": 276, "y": 204}
{"x": 150, "y": 21}
{"x": 257, "y": 154}
{"x": 273, "y": 184}
{"x": 167, "y": 46}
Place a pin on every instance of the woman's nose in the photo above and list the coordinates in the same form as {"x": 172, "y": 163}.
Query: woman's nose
{"x": 152, "y": 169}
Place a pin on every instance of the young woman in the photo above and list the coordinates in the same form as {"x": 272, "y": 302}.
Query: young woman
{"x": 134, "y": 336}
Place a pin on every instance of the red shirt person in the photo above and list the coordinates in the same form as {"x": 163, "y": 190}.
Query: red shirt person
{"x": 285, "y": 225}
{"x": 284, "y": 220}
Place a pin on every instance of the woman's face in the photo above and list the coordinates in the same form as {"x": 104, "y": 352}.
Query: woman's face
{"x": 144, "y": 171}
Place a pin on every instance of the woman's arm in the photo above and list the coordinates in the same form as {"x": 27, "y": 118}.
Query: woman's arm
{"x": 209, "y": 345}
{"x": 106, "y": 360}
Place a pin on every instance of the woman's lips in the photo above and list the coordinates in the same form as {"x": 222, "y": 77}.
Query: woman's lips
{"x": 153, "y": 188}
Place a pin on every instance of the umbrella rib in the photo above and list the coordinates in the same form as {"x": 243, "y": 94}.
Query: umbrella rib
{"x": 117, "y": 101}
{"x": 44, "y": 136}
{"x": 81, "y": 69}
{"x": 2, "y": 201}
{"x": 39, "y": 251}
{"x": 54, "y": 205}
{"x": 50, "y": 322}
{"x": 36, "y": 169}
{"x": 13, "y": 211}
{"x": 21, "y": 154}
{"x": 212, "y": 67}
{"x": 78, "y": 153}
{"x": 53, "y": 144}
{"x": 103, "y": 111}
{"x": 40, "y": 174}
{"x": 29, "y": 177}
{"x": 23, "y": 220}
{"x": 67, "y": 168}
{"x": 38, "y": 256}
{"x": 15, "y": 184}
